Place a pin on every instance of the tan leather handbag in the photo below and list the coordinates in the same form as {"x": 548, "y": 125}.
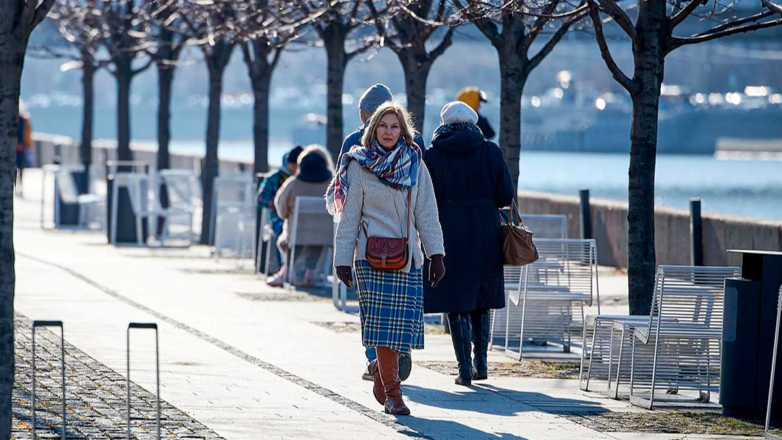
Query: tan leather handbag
{"x": 385, "y": 253}
{"x": 517, "y": 247}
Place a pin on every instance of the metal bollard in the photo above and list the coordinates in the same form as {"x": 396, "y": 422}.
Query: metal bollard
{"x": 62, "y": 354}
{"x": 586, "y": 219}
{"x": 696, "y": 233}
{"x": 769, "y": 435}
{"x": 148, "y": 326}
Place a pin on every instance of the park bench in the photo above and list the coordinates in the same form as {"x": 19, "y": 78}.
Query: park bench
{"x": 183, "y": 193}
{"x": 233, "y": 215}
{"x": 310, "y": 225}
{"x": 548, "y": 305}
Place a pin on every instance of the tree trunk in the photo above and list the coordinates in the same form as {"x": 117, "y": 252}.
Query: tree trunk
{"x": 85, "y": 149}
{"x": 261, "y": 86}
{"x": 416, "y": 76}
{"x": 211, "y": 166}
{"x": 165, "y": 76}
{"x": 11, "y": 61}
{"x": 335, "y": 79}
{"x": 124, "y": 77}
{"x": 648, "y": 53}
{"x": 512, "y": 80}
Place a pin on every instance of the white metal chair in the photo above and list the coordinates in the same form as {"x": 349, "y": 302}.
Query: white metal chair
{"x": 768, "y": 434}
{"x": 183, "y": 192}
{"x": 66, "y": 191}
{"x": 233, "y": 225}
{"x": 680, "y": 347}
{"x": 548, "y": 305}
{"x": 543, "y": 226}
{"x": 310, "y": 225}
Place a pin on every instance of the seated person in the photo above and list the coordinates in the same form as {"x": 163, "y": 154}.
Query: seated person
{"x": 312, "y": 179}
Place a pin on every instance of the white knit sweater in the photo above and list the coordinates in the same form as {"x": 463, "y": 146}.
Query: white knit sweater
{"x": 384, "y": 210}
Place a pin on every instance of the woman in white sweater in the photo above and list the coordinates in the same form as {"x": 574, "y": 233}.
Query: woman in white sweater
{"x": 383, "y": 191}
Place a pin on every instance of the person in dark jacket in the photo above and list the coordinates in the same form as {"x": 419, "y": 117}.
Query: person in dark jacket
{"x": 471, "y": 183}
{"x": 474, "y": 97}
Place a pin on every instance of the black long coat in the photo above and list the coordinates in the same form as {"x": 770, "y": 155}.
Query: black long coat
{"x": 471, "y": 182}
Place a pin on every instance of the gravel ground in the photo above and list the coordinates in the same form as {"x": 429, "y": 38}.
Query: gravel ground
{"x": 96, "y": 396}
{"x": 533, "y": 369}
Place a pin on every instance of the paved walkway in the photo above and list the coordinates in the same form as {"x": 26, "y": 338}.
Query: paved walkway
{"x": 247, "y": 364}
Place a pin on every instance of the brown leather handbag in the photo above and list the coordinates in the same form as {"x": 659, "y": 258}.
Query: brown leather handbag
{"x": 517, "y": 247}
{"x": 384, "y": 253}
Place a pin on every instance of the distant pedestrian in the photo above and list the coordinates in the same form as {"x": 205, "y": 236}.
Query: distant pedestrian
{"x": 268, "y": 190}
{"x": 471, "y": 183}
{"x": 312, "y": 178}
{"x": 383, "y": 191}
{"x": 24, "y": 145}
{"x": 473, "y": 97}
{"x": 373, "y": 98}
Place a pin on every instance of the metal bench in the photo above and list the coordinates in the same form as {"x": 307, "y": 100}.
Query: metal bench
{"x": 679, "y": 346}
{"x": 543, "y": 226}
{"x": 548, "y": 305}
{"x": 183, "y": 193}
{"x": 233, "y": 218}
{"x": 310, "y": 225}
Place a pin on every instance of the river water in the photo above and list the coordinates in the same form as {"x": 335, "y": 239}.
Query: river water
{"x": 746, "y": 187}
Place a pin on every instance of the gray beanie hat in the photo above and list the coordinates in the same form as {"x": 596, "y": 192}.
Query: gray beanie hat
{"x": 373, "y": 97}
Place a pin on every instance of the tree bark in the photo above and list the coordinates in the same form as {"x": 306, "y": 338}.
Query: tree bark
{"x": 416, "y": 76}
{"x": 261, "y": 86}
{"x": 649, "y": 57}
{"x": 165, "y": 81}
{"x": 335, "y": 80}
{"x": 11, "y": 62}
{"x": 513, "y": 77}
{"x": 124, "y": 78}
{"x": 211, "y": 166}
{"x": 85, "y": 149}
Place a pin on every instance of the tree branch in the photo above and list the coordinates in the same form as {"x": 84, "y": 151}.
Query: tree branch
{"x": 677, "y": 42}
{"x": 445, "y": 43}
{"x": 554, "y": 40}
{"x": 680, "y": 16}
{"x": 735, "y": 23}
{"x": 772, "y": 6}
{"x": 605, "y": 52}
{"x": 540, "y": 22}
{"x": 620, "y": 16}
{"x": 41, "y": 12}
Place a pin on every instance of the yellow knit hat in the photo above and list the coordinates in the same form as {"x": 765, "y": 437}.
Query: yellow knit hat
{"x": 471, "y": 96}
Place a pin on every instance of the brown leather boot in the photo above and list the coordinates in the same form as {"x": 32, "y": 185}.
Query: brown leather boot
{"x": 377, "y": 389}
{"x": 388, "y": 365}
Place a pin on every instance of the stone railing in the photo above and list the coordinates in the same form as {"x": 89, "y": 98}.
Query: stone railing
{"x": 672, "y": 230}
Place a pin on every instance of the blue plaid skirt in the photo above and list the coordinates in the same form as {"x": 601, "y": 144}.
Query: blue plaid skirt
{"x": 391, "y": 308}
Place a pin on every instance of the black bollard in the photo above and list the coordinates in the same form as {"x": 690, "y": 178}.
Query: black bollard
{"x": 696, "y": 233}
{"x": 586, "y": 219}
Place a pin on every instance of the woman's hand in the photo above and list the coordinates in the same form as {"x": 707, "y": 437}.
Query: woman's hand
{"x": 345, "y": 274}
{"x": 436, "y": 270}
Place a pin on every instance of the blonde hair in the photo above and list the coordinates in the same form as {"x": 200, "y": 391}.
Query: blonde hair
{"x": 316, "y": 149}
{"x": 405, "y": 123}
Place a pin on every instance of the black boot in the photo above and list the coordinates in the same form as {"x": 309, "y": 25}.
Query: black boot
{"x": 480, "y": 341}
{"x": 460, "y": 335}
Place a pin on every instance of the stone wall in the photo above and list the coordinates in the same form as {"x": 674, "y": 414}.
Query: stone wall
{"x": 672, "y": 230}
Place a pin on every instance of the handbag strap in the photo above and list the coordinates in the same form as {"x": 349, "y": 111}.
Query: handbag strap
{"x": 515, "y": 213}
{"x": 409, "y": 203}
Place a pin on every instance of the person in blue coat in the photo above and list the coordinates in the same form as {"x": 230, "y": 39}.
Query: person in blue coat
{"x": 471, "y": 184}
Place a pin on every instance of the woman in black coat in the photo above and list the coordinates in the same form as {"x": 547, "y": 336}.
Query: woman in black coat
{"x": 471, "y": 183}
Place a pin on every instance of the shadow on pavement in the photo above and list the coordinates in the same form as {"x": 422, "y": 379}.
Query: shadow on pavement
{"x": 488, "y": 399}
{"x": 449, "y": 429}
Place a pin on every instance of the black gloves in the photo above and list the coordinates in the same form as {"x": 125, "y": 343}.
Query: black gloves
{"x": 345, "y": 274}
{"x": 436, "y": 270}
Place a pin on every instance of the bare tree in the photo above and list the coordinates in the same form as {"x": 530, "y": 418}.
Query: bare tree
{"x": 79, "y": 22}
{"x": 213, "y": 25}
{"x": 18, "y": 19}
{"x": 170, "y": 38}
{"x": 269, "y": 26}
{"x": 513, "y": 27}
{"x": 337, "y": 23}
{"x": 406, "y": 28}
{"x": 127, "y": 26}
{"x": 653, "y": 38}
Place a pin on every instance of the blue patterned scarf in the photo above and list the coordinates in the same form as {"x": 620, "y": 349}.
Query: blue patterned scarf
{"x": 397, "y": 168}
